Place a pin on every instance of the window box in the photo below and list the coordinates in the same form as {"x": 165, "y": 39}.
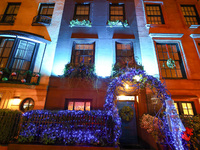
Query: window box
{"x": 77, "y": 23}
{"x": 19, "y": 77}
{"x": 117, "y": 23}
{"x": 44, "y": 16}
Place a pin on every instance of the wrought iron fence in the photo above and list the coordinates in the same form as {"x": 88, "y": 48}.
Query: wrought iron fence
{"x": 41, "y": 20}
{"x": 7, "y": 19}
{"x": 67, "y": 128}
{"x": 19, "y": 76}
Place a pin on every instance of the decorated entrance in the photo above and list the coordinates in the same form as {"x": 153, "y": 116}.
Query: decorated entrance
{"x": 171, "y": 126}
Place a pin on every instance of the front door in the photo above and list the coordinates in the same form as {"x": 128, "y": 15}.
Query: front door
{"x": 129, "y": 129}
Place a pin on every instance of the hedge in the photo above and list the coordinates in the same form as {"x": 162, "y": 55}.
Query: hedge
{"x": 9, "y": 125}
{"x": 67, "y": 128}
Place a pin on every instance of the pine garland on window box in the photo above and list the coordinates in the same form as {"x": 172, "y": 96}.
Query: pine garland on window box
{"x": 76, "y": 22}
{"x": 117, "y": 23}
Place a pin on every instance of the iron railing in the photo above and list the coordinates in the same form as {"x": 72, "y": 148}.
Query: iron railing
{"x": 7, "y": 19}
{"x": 19, "y": 76}
{"x": 41, "y": 20}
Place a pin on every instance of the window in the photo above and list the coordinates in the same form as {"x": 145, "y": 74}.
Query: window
{"x": 185, "y": 108}
{"x": 117, "y": 12}
{"x": 154, "y": 14}
{"x": 44, "y": 15}
{"x": 78, "y": 104}
{"x": 83, "y": 53}
{"x": 124, "y": 52}
{"x": 190, "y": 14}
{"x": 164, "y": 53}
{"x": 176, "y": 106}
{"x": 82, "y": 12}
{"x": 10, "y": 13}
{"x": 17, "y": 55}
{"x": 27, "y": 104}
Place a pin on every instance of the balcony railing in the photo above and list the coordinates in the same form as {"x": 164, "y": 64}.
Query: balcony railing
{"x": 41, "y": 20}
{"x": 7, "y": 19}
{"x": 19, "y": 76}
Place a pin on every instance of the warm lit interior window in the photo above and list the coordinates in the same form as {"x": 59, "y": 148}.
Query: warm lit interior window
{"x": 124, "y": 52}
{"x": 82, "y": 12}
{"x": 117, "y": 12}
{"x": 83, "y": 53}
{"x": 79, "y": 105}
{"x": 10, "y": 13}
{"x": 154, "y": 14}
{"x": 187, "y": 109}
{"x": 190, "y": 14}
{"x": 165, "y": 52}
{"x": 176, "y": 106}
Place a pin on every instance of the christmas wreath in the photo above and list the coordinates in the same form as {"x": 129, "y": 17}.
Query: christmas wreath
{"x": 126, "y": 113}
{"x": 171, "y": 63}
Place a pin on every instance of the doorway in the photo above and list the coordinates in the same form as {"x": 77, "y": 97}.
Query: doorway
{"x": 128, "y": 127}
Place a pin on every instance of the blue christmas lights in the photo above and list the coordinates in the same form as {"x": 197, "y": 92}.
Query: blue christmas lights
{"x": 100, "y": 127}
{"x": 172, "y": 125}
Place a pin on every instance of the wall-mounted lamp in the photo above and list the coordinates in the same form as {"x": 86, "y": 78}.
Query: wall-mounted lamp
{"x": 16, "y": 100}
{"x": 154, "y": 99}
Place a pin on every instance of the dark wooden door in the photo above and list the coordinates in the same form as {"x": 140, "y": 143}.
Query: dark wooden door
{"x": 129, "y": 129}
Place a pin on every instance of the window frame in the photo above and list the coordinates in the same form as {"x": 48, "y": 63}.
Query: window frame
{"x": 117, "y": 4}
{"x": 22, "y": 104}
{"x": 161, "y": 13}
{"x": 73, "y": 56}
{"x": 67, "y": 100}
{"x": 181, "y": 62}
{"x": 46, "y": 4}
{"x": 5, "y": 13}
{"x": 180, "y": 108}
{"x": 131, "y": 45}
{"x": 195, "y": 9}
{"x": 76, "y": 16}
{"x": 11, "y": 57}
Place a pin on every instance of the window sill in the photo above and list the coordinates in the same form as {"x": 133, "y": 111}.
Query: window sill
{"x": 156, "y": 26}
{"x": 5, "y": 23}
{"x": 117, "y": 26}
{"x": 193, "y": 26}
{"x": 80, "y": 26}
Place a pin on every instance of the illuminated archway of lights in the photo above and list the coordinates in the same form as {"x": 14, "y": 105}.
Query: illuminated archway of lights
{"x": 172, "y": 124}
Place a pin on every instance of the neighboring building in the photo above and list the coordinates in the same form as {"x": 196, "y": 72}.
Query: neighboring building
{"x": 28, "y": 38}
{"x": 171, "y": 29}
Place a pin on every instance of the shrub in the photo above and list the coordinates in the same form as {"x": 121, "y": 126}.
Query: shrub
{"x": 9, "y": 125}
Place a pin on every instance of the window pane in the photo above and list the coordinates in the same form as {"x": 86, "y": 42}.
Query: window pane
{"x": 82, "y": 12}
{"x": 23, "y": 55}
{"x": 79, "y": 106}
{"x": 46, "y": 9}
{"x": 5, "y": 49}
{"x": 83, "y": 53}
{"x": 190, "y": 14}
{"x": 87, "y": 106}
{"x": 154, "y": 14}
{"x": 165, "y": 52}
{"x": 176, "y": 106}
{"x": 70, "y": 105}
{"x": 124, "y": 53}
{"x": 116, "y": 12}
